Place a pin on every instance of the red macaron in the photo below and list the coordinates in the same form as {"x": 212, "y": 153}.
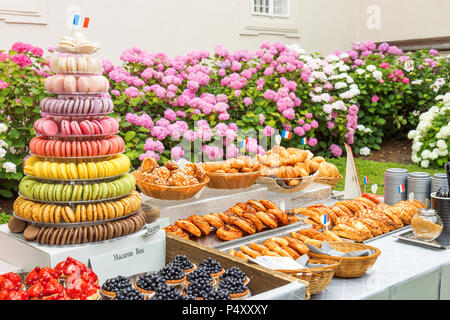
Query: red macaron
{"x": 87, "y": 127}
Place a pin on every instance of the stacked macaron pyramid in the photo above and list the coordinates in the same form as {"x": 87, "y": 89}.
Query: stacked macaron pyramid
{"x": 77, "y": 176}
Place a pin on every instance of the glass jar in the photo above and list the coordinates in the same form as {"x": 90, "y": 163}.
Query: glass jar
{"x": 426, "y": 224}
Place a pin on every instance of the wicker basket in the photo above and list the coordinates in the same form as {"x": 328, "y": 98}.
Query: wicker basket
{"x": 350, "y": 267}
{"x": 318, "y": 278}
{"x": 168, "y": 192}
{"x": 272, "y": 184}
{"x": 331, "y": 181}
{"x": 232, "y": 180}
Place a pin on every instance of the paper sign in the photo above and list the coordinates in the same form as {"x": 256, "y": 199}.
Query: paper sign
{"x": 157, "y": 225}
{"x": 282, "y": 205}
{"x": 352, "y": 186}
{"x": 144, "y": 257}
{"x": 182, "y": 163}
{"x": 278, "y": 139}
{"x": 374, "y": 188}
{"x": 411, "y": 196}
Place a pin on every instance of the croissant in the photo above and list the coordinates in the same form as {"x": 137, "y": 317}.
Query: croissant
{"x": 348, "y": 232}
{"x": 372, "y": 225}
{"x": 313, "y": 166}
{"x": 327, "y": 169}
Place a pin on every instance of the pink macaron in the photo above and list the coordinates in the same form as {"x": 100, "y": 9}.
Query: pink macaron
{"x": 65, "y": 128}
{"x": 86, "y": 127}
{"x": 84, "y": 84}
{"x": 70, "y": 84}
{"x": 75, "y": 128}
{"x": 49, "y": 127}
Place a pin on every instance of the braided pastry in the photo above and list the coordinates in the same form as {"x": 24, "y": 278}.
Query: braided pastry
{"x": 281, "y": 216}
{"x": 268, "y": 219}
{"x": 255, "y": 220}
{"x": 244, "y": 224}
{"x": 248, "y": 251}
{"x": 214, "y": 220}
{"x": 256, "y": 205}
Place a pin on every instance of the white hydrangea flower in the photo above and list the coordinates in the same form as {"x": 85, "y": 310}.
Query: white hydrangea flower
{"x": 360, "y": 71}
{"x": 414, "y": 158}
{"x": 412, "y": 134}
{"x": 2, "y": 153}
{"x": 441, "y": 144}
{"x": 9, "y": 167}
{"x": 360, "y": 127}
{"x": 340, "y": 85}
{"x": 425, "y": 163}
{"x": 377, "y": 75}
{"x": 418, "y": 82}
{"x": 371, "y": 68}
{"x": 425, "y": 154}
{"x": 365, "y": 151}
{"x": 3, "y": 144}
{"x": 408, "y": 65}
{"x": 3, "y": 127}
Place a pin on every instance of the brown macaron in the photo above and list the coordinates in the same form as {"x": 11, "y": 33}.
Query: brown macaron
{"x": 69, "y": 236}
{"x": 41, "y": 232}
{"x": 90, "y": 233}
{"x": 65, "y": 234}
{"x": 109, "y": 231}
{"x": 59, "y": 236}
{"x": 126, "y": 227}
{"x": 85, "y": 236}
{"x": 119, "y": 229}
{"x": 101, "y": 232}
{"x": 45, "y": 236}
{"x": 74, "y": 236}
{"x": 52, "y": 239}
{"x": 16, "y": 225}
{"x": 31, "y": 232}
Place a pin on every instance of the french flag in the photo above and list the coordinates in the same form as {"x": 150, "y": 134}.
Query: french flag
{"x": 304, "y": 140}
{"x": 77, "y": 20}
{"x": 366, "y": 180}
{"x": 325, "y": 219}
{"x": 401, "y": 188}
{"x": 286, "y": 134}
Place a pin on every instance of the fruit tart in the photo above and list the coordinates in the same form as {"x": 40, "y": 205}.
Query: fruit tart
{"x": 184, "y": 263}
{"x": 166, "y": 292}
{"x": 14, "y": 295}
{"x": 69, "y": 267}
{"x": 235, "y": 273}
{"x": 113, "y": 285}
{"x": 199, "y": 274}
{"x": 213, "y": 267}
{"x": 82, "y": 290}
{"x": 10, "y": 282}
{"x": 148, "y": 283}
{"x": 129, "y": 293}
{"x": 172, "y": 275}
{"x": 198, "y": 288}
{"x": 219, "y": 294}
{"x": 237, "y": 289}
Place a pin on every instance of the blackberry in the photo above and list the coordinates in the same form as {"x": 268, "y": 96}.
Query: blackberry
{"x": 235, "y": 273}
{"x": 150, "y": 281}
{"x": 171, "y": 272}
{"x": 182, "y": 262}
{"x": 116, "y": 284}
{"x": 210, "y": 265}
{"x": 199, "y": 274}
{"x": 232, "y": 285}
{"x": 129, "y": 293}
{"x": 219, "y": 294}
{"x": 198, "y": 288}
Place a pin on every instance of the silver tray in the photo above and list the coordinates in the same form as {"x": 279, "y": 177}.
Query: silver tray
{"x": 384, "y": 234}
{"x": 247, "y": 240}
{"x": 70, "y": 203}
{"x": 410, "y": 237}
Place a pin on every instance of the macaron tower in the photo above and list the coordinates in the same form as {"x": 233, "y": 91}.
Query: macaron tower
{"x": 77, "y": 188}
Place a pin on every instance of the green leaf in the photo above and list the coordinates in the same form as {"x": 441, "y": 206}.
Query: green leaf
{"x": 129, "y": 135}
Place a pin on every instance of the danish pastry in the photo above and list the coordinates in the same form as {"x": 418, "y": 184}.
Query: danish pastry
{"x": 248, "y": 251}
{"x": 244, "y": 224}
{"x": 214, "y": 220}
{"x": 268, "y": 219}
{"x": 200, "y": 223}
{"x": 229, "y": 232}
{"x": 239, "y": 254}
{"x": 189, "y": 227}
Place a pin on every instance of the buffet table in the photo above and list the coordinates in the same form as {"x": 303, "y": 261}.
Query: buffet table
{"x": 402, "y": 271}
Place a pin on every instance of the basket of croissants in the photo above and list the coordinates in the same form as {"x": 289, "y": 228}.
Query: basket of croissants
{"x": 170, "y": 182}
{"x": 328, "y": 174}
{"x": 234, "y": 173}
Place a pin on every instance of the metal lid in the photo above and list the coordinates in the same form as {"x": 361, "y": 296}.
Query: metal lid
{"x": 427, "y": 212}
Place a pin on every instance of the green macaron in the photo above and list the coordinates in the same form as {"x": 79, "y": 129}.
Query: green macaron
{"x": 26, "y": 187}
{"x": 49, "y": 193}
{"x": 120, "y": 187}
{"x": 104, "y": 190}
{"x": 43, "y": 192}
{"x": 113, "y": 190}
{"x": 67, "y": 192}
{"x": 35, "y": 192}
{"x": 86, "y": 192}
{"x": 95, "y": 191}
{"x": 77, "y": 192}
{"x": 58, "y": 195}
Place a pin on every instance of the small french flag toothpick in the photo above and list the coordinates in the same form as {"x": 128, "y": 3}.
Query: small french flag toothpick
{"x": 366, "y": 180}
{"x": 401, "y": 188}
{"x": 325, "y": 219}
{"x": 77, "y": 20}
{"x": 304, "y": 141}
{"x": 286, "y": 135}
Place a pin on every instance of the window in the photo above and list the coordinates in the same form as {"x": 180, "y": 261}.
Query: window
{"x": 272, "y": 8}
